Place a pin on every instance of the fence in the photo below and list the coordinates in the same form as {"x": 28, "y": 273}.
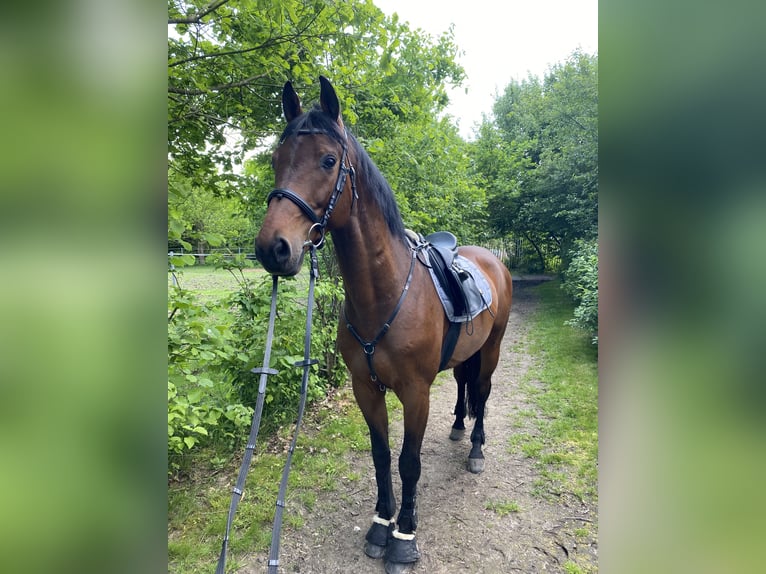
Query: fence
{"x": 515, "y": 252}
{"x": 201, "y": 256}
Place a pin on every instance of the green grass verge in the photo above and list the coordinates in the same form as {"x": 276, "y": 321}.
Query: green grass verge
{"x": 563, "y": 385}
{"x": 208, "y": 283}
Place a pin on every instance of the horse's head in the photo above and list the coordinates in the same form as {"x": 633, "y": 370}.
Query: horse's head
{"x": 311, "y": 165}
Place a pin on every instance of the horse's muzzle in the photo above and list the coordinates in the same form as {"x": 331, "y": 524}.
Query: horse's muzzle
{"x": 278, "y": 257}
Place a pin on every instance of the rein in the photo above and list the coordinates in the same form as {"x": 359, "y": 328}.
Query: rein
{"x": 264, "y": 372}
{"x": 319, "y": 225}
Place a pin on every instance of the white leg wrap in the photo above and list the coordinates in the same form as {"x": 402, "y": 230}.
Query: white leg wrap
{"x": 401, "y": 536}
{"x": 378, "y": 520}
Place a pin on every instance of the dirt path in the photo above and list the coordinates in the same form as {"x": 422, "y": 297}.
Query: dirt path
{"x": 457, "y": 531}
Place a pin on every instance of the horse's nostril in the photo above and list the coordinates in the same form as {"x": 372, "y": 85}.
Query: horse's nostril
{"x": 281, "y": 250}
{"x": 274, "y": 255}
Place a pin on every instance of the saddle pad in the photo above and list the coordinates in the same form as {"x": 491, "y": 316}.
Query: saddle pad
{"x": 477, "y": 290}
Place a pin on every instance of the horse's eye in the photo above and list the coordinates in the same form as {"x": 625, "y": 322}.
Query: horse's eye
{"x": 328, "y": 161}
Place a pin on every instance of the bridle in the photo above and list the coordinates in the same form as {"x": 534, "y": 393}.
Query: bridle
{"x": 319, "y": 224}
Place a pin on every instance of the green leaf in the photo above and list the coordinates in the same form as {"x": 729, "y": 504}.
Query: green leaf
{"x": 176, "y": 228}
{"x": 214, "y": 239}
{"x": 190, "y": 441}
{"x": 182, "y": 260}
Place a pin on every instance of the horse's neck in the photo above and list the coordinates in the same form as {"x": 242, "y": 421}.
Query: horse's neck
{"x": 374, "y": 266}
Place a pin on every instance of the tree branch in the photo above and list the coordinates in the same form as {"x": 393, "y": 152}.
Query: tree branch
{"x": 272, "y": 41}
{"x": 197, "y": 18}
{"x": 218, "y": 88}
{"x": 268, "y": 44}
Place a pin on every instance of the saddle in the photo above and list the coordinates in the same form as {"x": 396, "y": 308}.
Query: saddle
{"x": 462, "y": 297}
{"x": 441, "y": 248}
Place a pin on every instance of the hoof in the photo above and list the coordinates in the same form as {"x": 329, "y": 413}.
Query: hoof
{"x": 456, "y": 434}
{"x": 476, "y": 465}
{"x": 396, "y": 568}
{"x": 374, "y": 551}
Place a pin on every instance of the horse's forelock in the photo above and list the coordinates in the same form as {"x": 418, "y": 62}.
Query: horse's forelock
{"x": 314, "y": 119}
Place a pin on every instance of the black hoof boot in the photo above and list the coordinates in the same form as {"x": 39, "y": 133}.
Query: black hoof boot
{"x": 377, "y": 538}
{"x": 402, "y": 550}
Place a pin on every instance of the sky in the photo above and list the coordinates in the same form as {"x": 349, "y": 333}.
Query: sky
{"x": 501, "y": 40}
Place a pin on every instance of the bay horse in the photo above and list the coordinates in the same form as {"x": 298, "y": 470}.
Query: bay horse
{"x": 392, "y": 325}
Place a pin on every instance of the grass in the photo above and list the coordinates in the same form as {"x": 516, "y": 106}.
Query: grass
{"x": 571, "y": 567}
{"x": 503, "y": 507}
{"x": 563, "y": 385}
{"x": 210, "y": 284}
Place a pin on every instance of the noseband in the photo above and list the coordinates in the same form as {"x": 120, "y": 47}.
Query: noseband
{"x": 320, "y": 224}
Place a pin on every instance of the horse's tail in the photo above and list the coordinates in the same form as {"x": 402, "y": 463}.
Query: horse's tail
{"x": 475, "y": 402}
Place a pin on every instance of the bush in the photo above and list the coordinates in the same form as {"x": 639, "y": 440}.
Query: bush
{"x": 581, "y": 283}
{"x": 253, "y": 303}
{"x": 202, "y": 406}
{"x": 213, "y": 347}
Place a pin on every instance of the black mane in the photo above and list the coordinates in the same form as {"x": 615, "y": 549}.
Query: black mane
{"x": 366, "y": 170}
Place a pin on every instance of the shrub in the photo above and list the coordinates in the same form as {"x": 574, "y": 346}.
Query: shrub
{"x": 252, "y": 303}
{"x": 581, "y": 283}
{"x": 202, "y": 407}
{"x": 212, "y": 348}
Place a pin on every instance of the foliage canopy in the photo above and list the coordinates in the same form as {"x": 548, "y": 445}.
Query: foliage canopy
{"x": 538, "y": 155}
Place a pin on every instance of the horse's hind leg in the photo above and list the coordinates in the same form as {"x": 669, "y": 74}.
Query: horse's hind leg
{"x": 478, "y": 393}
{"x": 372, "y": 403}
{"x": 458, "y": 427}
{"x": 464, "y": 373}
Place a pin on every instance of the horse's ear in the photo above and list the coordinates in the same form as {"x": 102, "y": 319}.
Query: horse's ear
{"x": 291, "y": 104}
{"x": 328, "y": 99}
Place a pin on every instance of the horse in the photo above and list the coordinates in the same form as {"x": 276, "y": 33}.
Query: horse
{"x": 392, "y": 324}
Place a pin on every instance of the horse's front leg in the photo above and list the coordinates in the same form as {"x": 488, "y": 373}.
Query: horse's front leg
{"x": 402, "y": 547}
{"x": 372, "y": 403}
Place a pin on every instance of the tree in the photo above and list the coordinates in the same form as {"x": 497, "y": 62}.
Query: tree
{"x": 429, "y": 167}
{"x": 228, "y": 61}
{"x": 205, "y": 218}
{"x": 539, "y": 156}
